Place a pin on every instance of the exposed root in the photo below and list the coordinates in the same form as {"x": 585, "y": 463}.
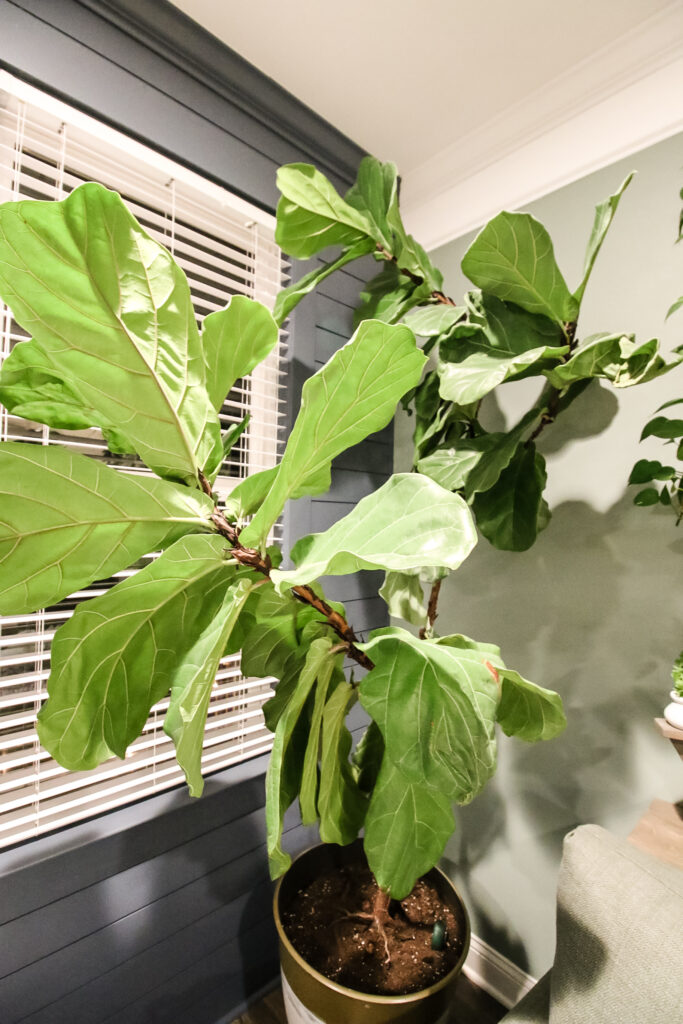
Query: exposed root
{"x": 377, "y": 919}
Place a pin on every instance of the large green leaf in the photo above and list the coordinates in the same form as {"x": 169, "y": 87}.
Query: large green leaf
{"x": 111, "y": 317}
{"x": 404, "y": 597}
{"x": 604, "y": 214}
{"x": 269, "y": 634}
{"x": 32, "y": 388}
{"x": 308, "y": 797}
{"x": 617, "y": 358}
{"x": 512, "y": 257}
{"x": 283, "y": 778}
{"x": 250, "y": 493}
{"x": 388, "y": 296}
{"x": 407, "y": 826}
{"x": 407, "y": 523}
{"x": 67, "y": 520}
{"x": 119, "y": 654}
{"x": 429, "y": 321}
{"x": 409, "y": 254}
{"x": 367, "y": 758}
{"x": 353, "y": 395}
{"x": 511, "y": 513}
{"x": 312, "y": 215}
{"x": 373, "y": 194}
{"x": 341, "y": 804}
{"x": 234, "y": 341}
{"x": 476, "y": 463}
{"x": 291, "y": 296}
{"x": 436, "y": 708}
{"x": 191, "y": 690}
{"x": 527, "y": 710}
{"x": 498, "y": 342}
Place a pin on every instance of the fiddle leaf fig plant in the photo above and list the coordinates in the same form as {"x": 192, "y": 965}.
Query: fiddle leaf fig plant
{"x": 114, "y": 344}
{"x": 521, "y": 320}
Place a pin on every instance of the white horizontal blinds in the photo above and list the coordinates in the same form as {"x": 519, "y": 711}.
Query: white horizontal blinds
{"x": 226, "y": 248}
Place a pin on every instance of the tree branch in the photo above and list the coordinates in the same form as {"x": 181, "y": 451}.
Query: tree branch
{"x": 253, "y": 559}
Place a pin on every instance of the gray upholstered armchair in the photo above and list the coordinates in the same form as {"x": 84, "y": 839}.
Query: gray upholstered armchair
{"x": 619, "y": 952}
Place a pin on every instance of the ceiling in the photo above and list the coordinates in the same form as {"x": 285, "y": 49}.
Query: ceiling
{"x": 451, "y": 89}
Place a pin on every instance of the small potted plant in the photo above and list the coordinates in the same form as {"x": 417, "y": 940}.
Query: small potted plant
{"x": 673, "y": 712}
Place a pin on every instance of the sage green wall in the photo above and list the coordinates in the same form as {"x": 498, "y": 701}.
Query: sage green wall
{"x": 595, "y": 608}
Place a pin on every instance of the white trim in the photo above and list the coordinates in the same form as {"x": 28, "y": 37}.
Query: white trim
{"x": 625, "y": 97}
{"x": 495, "y": 974}
{"x": 22, "y": 91}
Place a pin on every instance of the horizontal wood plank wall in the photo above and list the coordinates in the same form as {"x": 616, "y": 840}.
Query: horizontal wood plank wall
{"x": 161, "y": 912}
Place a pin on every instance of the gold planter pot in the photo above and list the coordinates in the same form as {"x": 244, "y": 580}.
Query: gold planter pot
{"x": 311, "y": 998}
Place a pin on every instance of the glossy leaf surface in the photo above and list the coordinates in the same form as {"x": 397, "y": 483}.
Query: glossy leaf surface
{"x": 68, "y": 520}
{"x": 429, "y": 321}
{"x": 119, "y": 654}
{"x": 194, "y": 679}
{"x": 288, "y": 298}
{"x": 353, "y": 395}
{"x": 496, "y": 343}
{"x": 341, "y": 804}
{"x": 529, "y": 711}
{"x": 508, "y": 513}
{"x": 404, "y": 597}
{"x": 283, "y": 778}
{"x": 407, "y": 523}
{"x": 604, "y": 215}
{"x": 477, "y": 462}
{"x": 512, "y": 257}
{"x": 111, "y": 316}
{"x": 435, "y": 707}
{"x": 234, "y": 341}
{"x": 407, "y": 826}
{"x": 617, "y": 358}
{"x": 311, "y": 214}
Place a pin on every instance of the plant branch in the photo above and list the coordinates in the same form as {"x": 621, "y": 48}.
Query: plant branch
{"x": 553, "y": 405}
{"x": 415, "y": 278}
{"x": 431, "y": 609}
{"x": 253, "y": 559}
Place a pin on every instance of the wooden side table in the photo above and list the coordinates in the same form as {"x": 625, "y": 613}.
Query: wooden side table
{"x": 668, "y": 731}
{"x": 660, "y": 830}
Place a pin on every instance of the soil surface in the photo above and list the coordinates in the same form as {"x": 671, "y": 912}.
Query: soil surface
{"x": 333, "y": 925}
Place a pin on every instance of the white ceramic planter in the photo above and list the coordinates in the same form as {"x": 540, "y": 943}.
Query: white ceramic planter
{"x": 673, "y": 712}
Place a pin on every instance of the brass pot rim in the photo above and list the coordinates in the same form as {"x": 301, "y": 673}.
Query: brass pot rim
{"x": 369, "y": 997}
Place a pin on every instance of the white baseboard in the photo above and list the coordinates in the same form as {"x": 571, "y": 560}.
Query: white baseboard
{"x": 495, "y": 974}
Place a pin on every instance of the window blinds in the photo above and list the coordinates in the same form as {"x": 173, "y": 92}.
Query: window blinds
{"x": 226, "y": 247}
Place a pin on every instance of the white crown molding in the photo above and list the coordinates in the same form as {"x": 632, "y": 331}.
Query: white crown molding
{"x": 495, "y": 974}
{"x": 625, "y": 97}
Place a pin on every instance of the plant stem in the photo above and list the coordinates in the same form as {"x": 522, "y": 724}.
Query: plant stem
{"x": 253, "y": 559}
{"x": 415, "y": 278}
{"x": 553, "y": 405}
{"x": 431, "y": 609}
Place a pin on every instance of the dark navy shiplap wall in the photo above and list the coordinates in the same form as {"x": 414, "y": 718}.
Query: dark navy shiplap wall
{"x": 160, "y": 912}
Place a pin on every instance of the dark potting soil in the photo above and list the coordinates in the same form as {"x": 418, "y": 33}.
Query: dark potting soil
{"x": 330, "y": 925}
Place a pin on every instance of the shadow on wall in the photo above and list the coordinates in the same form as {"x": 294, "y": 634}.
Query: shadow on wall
{"x": 594, "y": 611}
